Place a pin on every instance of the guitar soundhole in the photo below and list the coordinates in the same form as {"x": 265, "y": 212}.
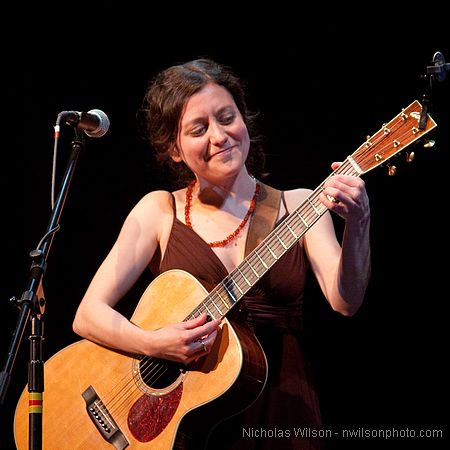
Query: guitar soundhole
{"x": 158, "y": 374}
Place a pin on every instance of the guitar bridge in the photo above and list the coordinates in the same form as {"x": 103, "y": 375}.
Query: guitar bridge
{"x": 102, "y": 420}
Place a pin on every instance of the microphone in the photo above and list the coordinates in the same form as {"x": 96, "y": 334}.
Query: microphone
{"x": 94, "y": 123}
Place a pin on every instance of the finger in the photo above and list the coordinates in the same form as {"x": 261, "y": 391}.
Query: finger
{"x": 329, "y": 201}
{"x": 335, "y": 164}
{"x": 205, "y": 330}
{"x": 341, "y": 188}
{"x": 199, "y": 347}
{"x": 332, "y": 199}
{"x": 340, "y": 180}
{"x": 195, "y": 322}
{"x": 211, "y": 326}
{"x": 203, "y": 346}
{"x": 205, "y": 343}
{"x": 202, "y": 349}
{"x": 332, "y": 194}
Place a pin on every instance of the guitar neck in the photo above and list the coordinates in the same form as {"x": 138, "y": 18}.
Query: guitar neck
{"x": 388, "y": 141}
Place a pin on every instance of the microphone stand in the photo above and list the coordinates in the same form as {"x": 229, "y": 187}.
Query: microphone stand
{"x": 32, "y": 307}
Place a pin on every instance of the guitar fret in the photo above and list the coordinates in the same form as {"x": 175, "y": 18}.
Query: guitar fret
{"x": 243, "y": 276}
{"x": 195, "y": 313}
{"x": 229, "y": 293}
{"x": 237, "y": 285}
{"x": 314, "y": 207}
{"x": 222, "y": 300}
{"x": 215, "y": 306}
{"x": 287, "y": 236}
{"x": 262, "y": 261}
{"x": 251, "y": 272}
{"x": 271, "y": 252}
{"x": 220, "y": 295}
{"x": 208, "y": 310}
{"x": 274, "y": 244}
{"x": 254, "y": 271}
{"x": 292, "y": 231}
{"x": 302, "y": 219}
{"x": 298, "y": 225}
{"x": 281, "y": 242}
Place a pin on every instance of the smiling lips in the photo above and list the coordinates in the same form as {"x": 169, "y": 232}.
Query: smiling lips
{"x": 220, "y": 152}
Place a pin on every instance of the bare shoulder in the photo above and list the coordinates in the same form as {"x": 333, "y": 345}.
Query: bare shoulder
{"x": 151, "y": 218}
{"x": 153, "y": 205}
{"x": 161, "y": 199}
{"x": 294, "y": 197}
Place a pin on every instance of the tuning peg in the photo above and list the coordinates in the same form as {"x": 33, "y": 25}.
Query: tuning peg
{"x": 392, "y": 170}
{"x": 410, "y": 156}
{"x": 428, "y": 143}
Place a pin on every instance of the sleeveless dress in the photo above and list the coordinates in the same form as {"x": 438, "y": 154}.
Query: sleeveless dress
{"x": 286, "y": 415}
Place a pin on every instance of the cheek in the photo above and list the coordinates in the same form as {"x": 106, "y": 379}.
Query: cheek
{"x": 190, "y": 149}
{"x": 244, "y": 139}
{"x": 240, "y": 131}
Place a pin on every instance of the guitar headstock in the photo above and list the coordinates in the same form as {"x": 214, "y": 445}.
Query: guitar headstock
{"x": 392, "y": 138}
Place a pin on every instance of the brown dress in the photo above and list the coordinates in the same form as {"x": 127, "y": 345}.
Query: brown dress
{"x": 286, "y": 414}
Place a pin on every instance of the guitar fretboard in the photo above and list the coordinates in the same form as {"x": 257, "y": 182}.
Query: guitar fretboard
{"x": 287, "y": 233}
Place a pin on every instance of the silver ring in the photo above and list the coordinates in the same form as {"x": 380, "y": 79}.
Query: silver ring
{"x": 205, "y": 348}
{"x": 332, "y": 199}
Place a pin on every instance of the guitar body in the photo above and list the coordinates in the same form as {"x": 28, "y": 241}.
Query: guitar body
{"x": 147, "y": 411}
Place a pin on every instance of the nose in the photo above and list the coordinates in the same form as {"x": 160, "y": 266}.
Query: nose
{"x": 217, "y": 134}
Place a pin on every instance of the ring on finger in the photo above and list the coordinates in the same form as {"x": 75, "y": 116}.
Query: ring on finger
{"x": 332, "y": 199}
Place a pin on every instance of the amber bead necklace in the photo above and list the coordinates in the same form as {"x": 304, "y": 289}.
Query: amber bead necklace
{"x": 235, "y": 233}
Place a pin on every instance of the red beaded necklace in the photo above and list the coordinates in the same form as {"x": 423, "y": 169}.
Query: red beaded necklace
{"x": 235, "y": 233}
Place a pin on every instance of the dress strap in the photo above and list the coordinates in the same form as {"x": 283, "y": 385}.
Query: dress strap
{"x": 264, "y": 216}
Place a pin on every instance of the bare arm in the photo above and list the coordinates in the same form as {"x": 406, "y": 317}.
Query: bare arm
{"x": 97, "y": 320}
{"x": 342, "y": 270}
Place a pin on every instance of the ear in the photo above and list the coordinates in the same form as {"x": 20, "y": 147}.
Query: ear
{"x": 175, "y": 154}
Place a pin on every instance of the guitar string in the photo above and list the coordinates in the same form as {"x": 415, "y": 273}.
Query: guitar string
{"x": 151, "y": 370}
{"x": 284, "y": 234}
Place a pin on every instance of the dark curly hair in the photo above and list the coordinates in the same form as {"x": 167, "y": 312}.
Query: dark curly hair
{"x": 163, "y": 106}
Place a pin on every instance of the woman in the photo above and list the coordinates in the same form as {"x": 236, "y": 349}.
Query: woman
{"x": 197, "y": 120}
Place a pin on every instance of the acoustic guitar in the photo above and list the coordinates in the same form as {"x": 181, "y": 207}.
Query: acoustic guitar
{"x": 99, "y": 398}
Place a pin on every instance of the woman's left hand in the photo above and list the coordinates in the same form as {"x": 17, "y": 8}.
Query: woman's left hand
{"x": 345, "y": 195}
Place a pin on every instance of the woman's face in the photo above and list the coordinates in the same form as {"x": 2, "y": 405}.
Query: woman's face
{"x": 213, "y": 139}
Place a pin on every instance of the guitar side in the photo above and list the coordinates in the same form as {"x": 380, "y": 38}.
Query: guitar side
{"x": 235, "y": 365}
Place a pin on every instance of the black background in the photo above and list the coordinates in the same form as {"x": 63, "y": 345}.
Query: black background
{"x": 323, "y": 80}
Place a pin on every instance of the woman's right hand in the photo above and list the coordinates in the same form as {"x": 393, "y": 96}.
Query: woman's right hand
{"x": 186, "y": 341}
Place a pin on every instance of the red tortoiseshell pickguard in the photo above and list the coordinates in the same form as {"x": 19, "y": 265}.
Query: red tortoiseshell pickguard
{"x": 149, "y": 416}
